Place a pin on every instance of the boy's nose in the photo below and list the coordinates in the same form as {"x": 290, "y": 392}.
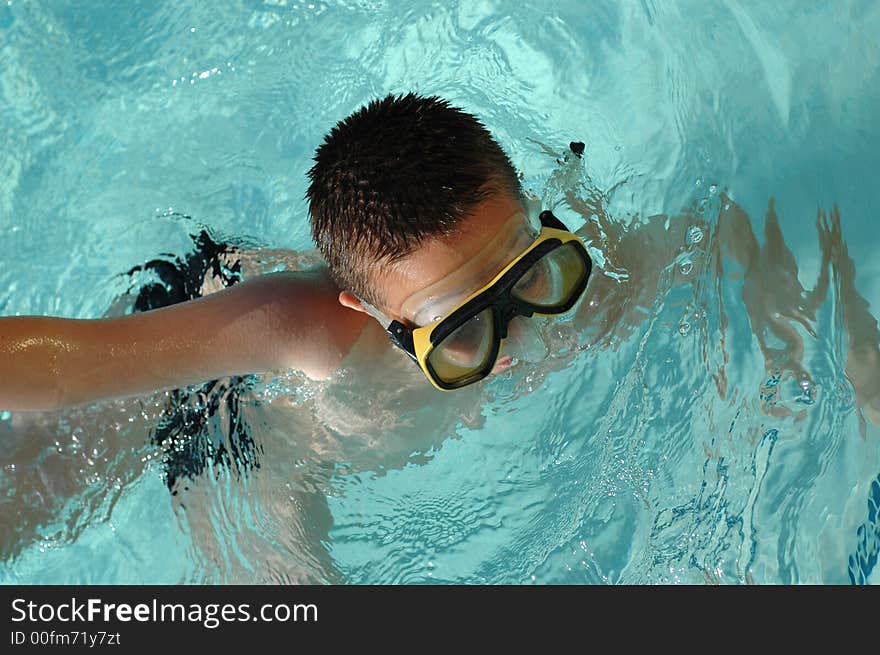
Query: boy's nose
{"x": 524, "y": 340}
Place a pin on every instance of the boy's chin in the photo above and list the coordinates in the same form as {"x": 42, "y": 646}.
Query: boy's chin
{"x": 502, "y": 364}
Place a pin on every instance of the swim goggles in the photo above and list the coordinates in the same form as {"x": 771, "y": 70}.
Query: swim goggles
{"x": 457, "y": 341}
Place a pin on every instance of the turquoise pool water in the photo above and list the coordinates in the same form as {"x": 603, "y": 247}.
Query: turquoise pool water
{"x": 675, "y": 454}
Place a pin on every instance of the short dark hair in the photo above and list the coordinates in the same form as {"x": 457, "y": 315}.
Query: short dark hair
{"x": 398, "y": 171}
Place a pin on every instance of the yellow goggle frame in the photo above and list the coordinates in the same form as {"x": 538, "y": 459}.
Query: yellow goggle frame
{"x": 419, "y": 342}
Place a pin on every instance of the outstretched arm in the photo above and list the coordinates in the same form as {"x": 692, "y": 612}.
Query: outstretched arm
{"x": 276, "y": 321}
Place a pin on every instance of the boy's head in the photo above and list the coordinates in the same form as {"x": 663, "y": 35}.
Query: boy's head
{"x": 404, "y": 191}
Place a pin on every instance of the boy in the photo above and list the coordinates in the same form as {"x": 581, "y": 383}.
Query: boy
{"x": 423, "y": 225}
{"x": 436, "y": 214}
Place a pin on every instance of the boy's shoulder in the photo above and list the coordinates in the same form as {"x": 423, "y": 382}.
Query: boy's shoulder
{"x": 357, "y": 342}
{"x": 311, "y": 330}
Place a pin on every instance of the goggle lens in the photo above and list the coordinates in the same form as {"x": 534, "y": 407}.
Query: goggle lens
{"x": 552, "y": 280}
{"x": 466, "y": 350}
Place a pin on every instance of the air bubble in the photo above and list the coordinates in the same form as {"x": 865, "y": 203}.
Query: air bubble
{"x": 806, "y": 396}
{"x": 683, "y": 328}
{"x": 694, "y": 235}
{"x": 686, "y": 267}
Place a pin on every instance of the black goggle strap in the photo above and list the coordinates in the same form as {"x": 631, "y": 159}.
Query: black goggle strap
{"x": 401, "y": 336}
{"x": 549, "y": 220}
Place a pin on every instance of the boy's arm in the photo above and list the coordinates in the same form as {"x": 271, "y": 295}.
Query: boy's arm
{"x": 276, "y": 321}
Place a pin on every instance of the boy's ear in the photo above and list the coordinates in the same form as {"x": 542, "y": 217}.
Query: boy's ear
{"x": 348, "y": 299}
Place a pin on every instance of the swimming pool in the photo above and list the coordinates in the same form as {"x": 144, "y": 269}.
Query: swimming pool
{"x": 673, "y": 456}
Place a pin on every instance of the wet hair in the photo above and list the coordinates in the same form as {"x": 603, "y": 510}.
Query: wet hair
{"x": 397, "y": 172}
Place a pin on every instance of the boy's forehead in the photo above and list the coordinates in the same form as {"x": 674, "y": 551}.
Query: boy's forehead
{"x": 438, "y": 258}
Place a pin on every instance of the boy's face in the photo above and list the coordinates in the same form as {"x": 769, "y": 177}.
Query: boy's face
{"x": 438, "y": 260}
